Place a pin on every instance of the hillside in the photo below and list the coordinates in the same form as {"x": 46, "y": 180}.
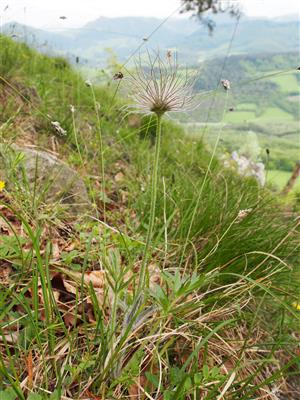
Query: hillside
{"x": 189, "y": 37}
{"x": 259, "y": 83}
{"x": 252, "y": 36}
{"x": 263, "y": 101}
{"x": 177, "y": 279}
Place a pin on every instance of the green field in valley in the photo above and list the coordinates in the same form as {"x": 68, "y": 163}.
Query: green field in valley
{"x": 275, "y": 113}
{"x": 287, "y": 82}
{"x": 280, "y": 137}
{"x": 280, "y": 178}
{"x": 244, "y": 114}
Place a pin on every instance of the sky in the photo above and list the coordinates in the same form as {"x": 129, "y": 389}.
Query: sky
{"x": 45, "y": 14}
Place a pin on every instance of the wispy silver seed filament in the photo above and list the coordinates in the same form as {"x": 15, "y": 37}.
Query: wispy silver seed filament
{"x": 157, "y": 87}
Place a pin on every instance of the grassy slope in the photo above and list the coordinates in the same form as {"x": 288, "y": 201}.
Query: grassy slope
{"x": 236, "y": 277}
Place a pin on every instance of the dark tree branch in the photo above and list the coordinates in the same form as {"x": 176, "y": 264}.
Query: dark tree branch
{"x": 198, "y": 7}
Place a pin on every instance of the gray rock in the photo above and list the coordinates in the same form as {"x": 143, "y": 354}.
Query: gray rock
{"x": 48, "y": 178}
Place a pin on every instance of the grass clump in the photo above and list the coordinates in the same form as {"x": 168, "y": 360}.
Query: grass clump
{"x": 217, "y": 316}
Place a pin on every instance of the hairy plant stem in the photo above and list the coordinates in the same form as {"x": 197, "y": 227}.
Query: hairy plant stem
{"x": 99, "y": 131}
{"x": 143, "y": 269}
{"x": 76, "y": 140}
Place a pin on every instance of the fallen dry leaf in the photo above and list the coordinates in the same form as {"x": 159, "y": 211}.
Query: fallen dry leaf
{"x": 5, "y": 272}
{"x": 96, "y": 278}
{"x": 154, "y": 275}
{"x": 55, "y": 249}
{"x": 29, "y": 365}
{"x": 90, "y": 395}
{"x": 119, "y": 177}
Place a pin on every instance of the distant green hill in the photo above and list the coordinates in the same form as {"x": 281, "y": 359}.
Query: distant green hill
{"x": 252, "y": 36}
{"x": 191, "y": 39}
{"x": 263, "y": 103}
{"x": 264, "y": 87}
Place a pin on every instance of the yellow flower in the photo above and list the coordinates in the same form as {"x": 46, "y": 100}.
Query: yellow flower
{"x": 296, "y": 305}
{"x": 2, "y": 185}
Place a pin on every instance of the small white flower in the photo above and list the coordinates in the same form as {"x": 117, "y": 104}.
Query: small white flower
{"x": 58, "y": 128}
{"x": 72, "y": 108}
{"x": 259, "y": 173}
{"x": 88, "y": 83}
{"x": 243, "y": 213}
{"x": 246, "y": 167}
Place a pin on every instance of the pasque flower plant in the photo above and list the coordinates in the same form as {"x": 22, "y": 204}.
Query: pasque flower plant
{"x": 158, "y": 86}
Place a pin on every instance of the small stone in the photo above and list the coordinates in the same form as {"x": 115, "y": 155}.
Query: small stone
{"x": 52, "y": 179}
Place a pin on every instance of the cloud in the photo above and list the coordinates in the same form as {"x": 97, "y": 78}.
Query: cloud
{"x": 45, "y": 14}
{"x": 270, "y": 8}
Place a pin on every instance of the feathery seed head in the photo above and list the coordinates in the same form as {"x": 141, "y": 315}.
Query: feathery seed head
{"x": 159, "y": 86}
